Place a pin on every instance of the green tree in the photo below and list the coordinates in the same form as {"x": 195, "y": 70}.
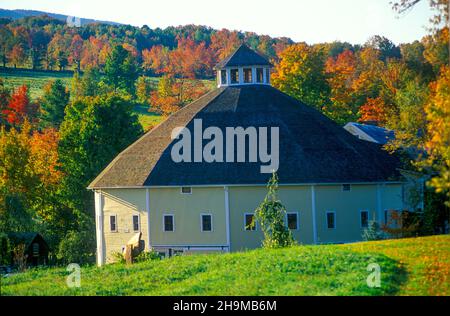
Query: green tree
{"x": 54, "y": 101}
{"x": 271, "y": 214}
{"x": 121, "y": 70}
{"x": 94, "y": 131}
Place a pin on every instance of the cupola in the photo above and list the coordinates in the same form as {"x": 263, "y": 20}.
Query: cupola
{"x": 243, "y": 67}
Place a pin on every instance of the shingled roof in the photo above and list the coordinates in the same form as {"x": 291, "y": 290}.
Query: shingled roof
{"x": 313, "y": 149}
{"x": 243, "y": 56}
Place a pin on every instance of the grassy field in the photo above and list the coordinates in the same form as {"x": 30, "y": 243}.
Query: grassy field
{"x": 35, "y": 80}
{"x": 300, "y": 270}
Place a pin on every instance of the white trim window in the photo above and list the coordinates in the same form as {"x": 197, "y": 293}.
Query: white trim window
{"x": 292, "y": 220}
{"x": 259, "y": 75}
{"x": 168, "y": 222}
{"x": 136, "y": 223}
{"x": 249, "y": 224}
{"x": 113, "y": 223}
{"x": 234, "y": 76}
{"x": 206, "y": 222}
{"x": 364, "y": 218}
{"x": 186, "y": 190}
{"x": 331, "y": 220}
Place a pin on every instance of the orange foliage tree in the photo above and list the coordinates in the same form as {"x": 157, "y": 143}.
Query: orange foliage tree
{"x": 20, "y": 108}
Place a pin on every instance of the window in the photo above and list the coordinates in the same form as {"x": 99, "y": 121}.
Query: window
{"x": 234, "y": 74}
{"x": 267, "y": 75}
{"x": 259, "y": 75}
{"x": 223, "y": 76}
{"x": 35, "y": 249}
{"x": 248, "y": 75}
{"x": 206, "y": 222}
{"x": 169, "y": 225}
{"x": 186, "y": 190}
{"x": 292, "y": 220}
{"x": 346, "y": 187}
{"x": 113, "y": 223}
{"x": 249, "y": 225}
{"x": 136, "y": 223}
{"x": 364, "y": 219}
{"x": 331, "y": 220}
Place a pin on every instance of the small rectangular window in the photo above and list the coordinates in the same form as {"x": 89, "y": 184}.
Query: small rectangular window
{"x": 292, "y": 221}
{"x": 186, "y": 190}
{"x": 206, "y": 222}
{"x": 386, "y": 217}
{"x": 346, "y": 187}
{"x": 223, "y": 76}
{"x": 136, "y": 223}
{"x": 259, "y": 75}
{"x": 169, "y": 223}
{"x": 364, "y": 219}
{"x": 113, "y": 223}
{"x": 249, "y": 222}
{"x": 331, "y": 220}
{"x": 267, "y": 75}
{"x": 248, "y": 75}
{"x": 234, "y": 74}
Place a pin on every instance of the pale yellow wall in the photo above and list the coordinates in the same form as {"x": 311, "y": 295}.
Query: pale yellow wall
{"x": 124, "y": 203}
{"x": 187, "y": 209}
{"x": 347, "y": 205}
{"x": 247, "y": 199}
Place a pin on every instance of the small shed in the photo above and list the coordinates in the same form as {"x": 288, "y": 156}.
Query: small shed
{"x": 36, "y": 248}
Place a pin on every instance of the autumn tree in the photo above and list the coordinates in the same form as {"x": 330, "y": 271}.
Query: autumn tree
{"x": 20, "y": 108}
{"x": 172, "y": 94}
{"x": 437, "y": 145}
{"x": 53, "y": 102}
{"x": 301, "y": 74}
{"x": 224, "y": 42}
{"x": 76, "y": 51}
{"x": 342, "y": 72}
{"x": 156, "y": 59}
{"x": 17, "y": 55}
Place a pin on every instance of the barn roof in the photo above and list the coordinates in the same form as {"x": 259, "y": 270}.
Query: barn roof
{"x": 313, "y": 149}
{"x": 243, "y": 56}
{"x": 378, "y": 134}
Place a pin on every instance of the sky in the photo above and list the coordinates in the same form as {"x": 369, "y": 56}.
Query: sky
{"x": 312, "y": 21}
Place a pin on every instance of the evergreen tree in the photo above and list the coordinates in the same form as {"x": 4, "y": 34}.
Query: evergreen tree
{"x": 55, "y": 99}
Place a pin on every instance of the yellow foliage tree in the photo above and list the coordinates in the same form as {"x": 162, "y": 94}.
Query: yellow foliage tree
{"x": 438, "y": 144}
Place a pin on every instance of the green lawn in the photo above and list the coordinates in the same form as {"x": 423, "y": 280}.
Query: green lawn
{"x": 300, "y": 270}
{"x": 35, "y": 80}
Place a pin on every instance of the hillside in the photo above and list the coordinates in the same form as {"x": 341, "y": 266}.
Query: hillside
{"x": 418, "y": 266}
{"x": 18, "y": 14}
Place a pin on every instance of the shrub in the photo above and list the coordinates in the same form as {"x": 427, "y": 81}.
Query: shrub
{"x": 148, "y": 256}
{"x": 5, "y": 250}
{"x": 76, "y": 247}
{"x": 270, "y": 214}
{"x": 372, "y": 232}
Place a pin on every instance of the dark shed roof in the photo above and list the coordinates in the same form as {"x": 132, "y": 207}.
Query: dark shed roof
{"x": 313, "y": 149}
{"x": 243, "y": 56}
{"x": 26, "y": 238}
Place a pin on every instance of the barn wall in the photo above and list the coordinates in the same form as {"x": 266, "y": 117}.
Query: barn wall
{"x": 124, "y": 203}
{"x": 187, "y": 208}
